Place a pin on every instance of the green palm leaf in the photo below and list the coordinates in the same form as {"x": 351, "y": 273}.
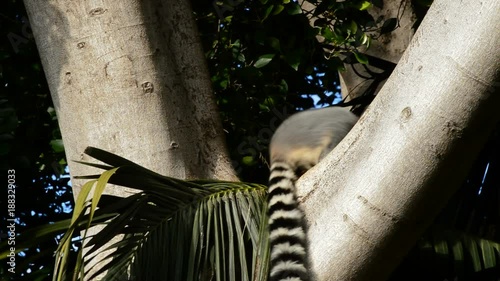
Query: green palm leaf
{"x": 442, "y": 253}
{"x": 172, "y": 229}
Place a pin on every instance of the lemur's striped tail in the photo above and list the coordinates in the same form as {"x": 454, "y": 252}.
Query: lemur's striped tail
{"x": 287, "y": 235}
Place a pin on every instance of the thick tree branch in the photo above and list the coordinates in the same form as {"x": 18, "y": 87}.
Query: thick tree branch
{"x": 370, "y": 199}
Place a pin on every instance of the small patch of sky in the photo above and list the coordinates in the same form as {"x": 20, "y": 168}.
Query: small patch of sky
{"x": 67, "y": 207}
{"x": 484, "y": 178}
{"x": 316, "y": 98}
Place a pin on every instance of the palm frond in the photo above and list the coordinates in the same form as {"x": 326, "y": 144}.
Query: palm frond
{"x": 446, "y": 254}
{"x": 172, "y": 229}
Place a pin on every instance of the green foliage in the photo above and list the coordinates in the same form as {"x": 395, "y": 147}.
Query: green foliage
{"x": 30, "y": 144}
{"x": 27, "y": 120}
{"x": 173, "y": 229}
{"x": 347, "y": 27}
{"x": 266, "y": 63}
{"x": 444, "y": 254}
{"x": 262, "y": 51}
{"x": 263, "y": 60}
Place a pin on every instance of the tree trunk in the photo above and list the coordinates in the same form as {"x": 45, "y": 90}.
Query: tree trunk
{"x": 411, "y": 149}
{"x": 129, "y": 77}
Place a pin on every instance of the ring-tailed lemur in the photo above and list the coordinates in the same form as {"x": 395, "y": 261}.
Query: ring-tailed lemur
{"x": 297, "y": 145}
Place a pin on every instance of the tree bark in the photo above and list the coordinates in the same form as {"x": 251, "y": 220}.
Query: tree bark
{"x": 129, "y": 77}
{"x": 411, "y": 149}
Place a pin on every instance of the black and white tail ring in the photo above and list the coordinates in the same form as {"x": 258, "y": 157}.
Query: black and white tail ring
{"x": 287, "y": 235}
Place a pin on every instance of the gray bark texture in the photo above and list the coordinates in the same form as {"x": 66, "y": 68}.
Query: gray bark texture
{"x": 130, "y": 77}
{"x": 370, "y": 199}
